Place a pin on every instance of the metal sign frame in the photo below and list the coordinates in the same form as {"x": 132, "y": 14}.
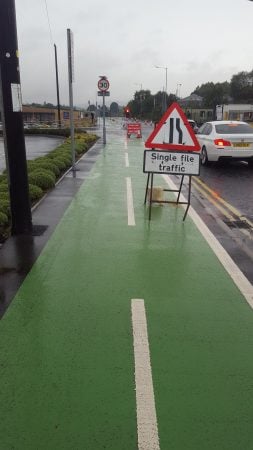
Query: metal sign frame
{"x": 151, "y": 180}
{"x": 174, "y": 158}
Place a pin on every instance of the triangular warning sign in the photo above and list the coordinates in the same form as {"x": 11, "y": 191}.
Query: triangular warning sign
{"x": 173, "y": 132}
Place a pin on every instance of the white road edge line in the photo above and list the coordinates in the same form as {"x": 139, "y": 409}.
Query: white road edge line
{"x": 126, "y": 160}
{"x": 147, "y": 428}
{"x": 130, "y": 203}
{"x": 233, "y": 270}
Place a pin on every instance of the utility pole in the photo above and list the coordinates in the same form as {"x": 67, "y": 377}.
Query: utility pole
{"x": 11, "y": 109}
{"x": 57, "y": 86}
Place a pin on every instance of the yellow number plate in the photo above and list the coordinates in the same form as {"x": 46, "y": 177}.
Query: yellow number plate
{"x": 241, "y": 144}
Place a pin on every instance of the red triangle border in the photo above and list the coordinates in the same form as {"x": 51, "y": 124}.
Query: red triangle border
{"x": 150, "y": 141}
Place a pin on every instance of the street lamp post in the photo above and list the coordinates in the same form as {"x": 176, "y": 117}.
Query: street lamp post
{"x": 164, "y": 92}
{"x": 178, "y": 89}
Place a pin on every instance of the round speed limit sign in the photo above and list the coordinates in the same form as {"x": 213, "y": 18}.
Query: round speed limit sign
{"x": 103, "y": 84}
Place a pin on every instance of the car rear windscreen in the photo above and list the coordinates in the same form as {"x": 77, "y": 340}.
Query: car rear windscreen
{"x": 234, "y": 128}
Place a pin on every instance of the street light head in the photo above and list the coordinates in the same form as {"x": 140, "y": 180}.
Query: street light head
{"x": 163, "y": 67}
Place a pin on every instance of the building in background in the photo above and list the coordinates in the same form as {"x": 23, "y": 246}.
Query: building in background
{"x": 49, "y": 115}
{"x": 44, "y": 115}
{"x": 231, "y": 111}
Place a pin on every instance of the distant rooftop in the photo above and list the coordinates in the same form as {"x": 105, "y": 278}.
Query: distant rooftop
{"x": 193, "y": 98}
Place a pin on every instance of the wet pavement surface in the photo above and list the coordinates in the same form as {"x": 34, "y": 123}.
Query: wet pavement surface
{"x": 232, "y": 182}
{"x": 69, "y": 353}
{"x": 18, "y": 253}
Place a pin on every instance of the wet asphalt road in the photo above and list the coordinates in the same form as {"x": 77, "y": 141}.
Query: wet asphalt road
{"x": 35, "y": 146}
{"x": 232, "y": 181}
{"x": 228, "y": 210}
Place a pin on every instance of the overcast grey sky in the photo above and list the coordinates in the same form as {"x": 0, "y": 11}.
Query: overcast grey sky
{"x": 199, "y": 41}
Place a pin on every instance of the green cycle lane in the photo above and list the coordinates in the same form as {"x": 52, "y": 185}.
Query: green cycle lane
{"x": 66, "y": 343}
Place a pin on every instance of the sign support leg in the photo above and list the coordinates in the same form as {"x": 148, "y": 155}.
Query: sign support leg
{"x": 146, "y": 193}
{"x": 180, "y": 188}
{"x": 151, "y": 195}
{"x": 189, "y": 197}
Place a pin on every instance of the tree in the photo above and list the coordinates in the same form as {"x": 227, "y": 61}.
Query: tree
{"x": 48, "y": 105}
{"x": 242, "y": 87}
{"x": 148, "y": 106}
{"x": 114, "y": 109}
{"x": 141, "y": 105}
{"x": 213, "y": 93}
{"x": 92, "y": 108}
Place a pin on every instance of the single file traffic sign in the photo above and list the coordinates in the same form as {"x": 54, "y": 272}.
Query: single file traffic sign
{"x": 173, "y": 132}
{"x": 174, "y": 163}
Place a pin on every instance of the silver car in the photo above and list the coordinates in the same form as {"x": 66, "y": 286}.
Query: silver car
{"x": 193, "y": 125}
{"x": 226, "y": 139}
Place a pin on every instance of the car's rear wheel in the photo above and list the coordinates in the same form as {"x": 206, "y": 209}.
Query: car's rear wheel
{"x": 204, "y": 157}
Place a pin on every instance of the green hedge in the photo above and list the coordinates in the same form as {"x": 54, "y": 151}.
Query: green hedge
{"x": 65, "y": 132}
{"x": 59, "y": 161}
{"x": 47, "y": 164}
{"x": 5, "y": 207}
{"x": 4, "y": 186}
{"x": 35, "y": 192}
{"x": 4, "y": 196}
{"x": 43, "y": 171}
{"x": 45, "y": 179}
{"x": 4, "y": 220}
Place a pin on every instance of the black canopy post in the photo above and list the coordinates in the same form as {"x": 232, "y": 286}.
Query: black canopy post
{"x": 11, "y": 111}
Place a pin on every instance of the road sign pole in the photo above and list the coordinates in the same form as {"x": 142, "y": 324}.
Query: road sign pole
{"x": 11, "y": 108}
{"x": 104, "y": 129}
{"x": 71, "y": 71}
{"x": 103, "y": 86}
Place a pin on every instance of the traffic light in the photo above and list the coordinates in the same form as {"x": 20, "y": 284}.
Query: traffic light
{"x": 127, "y": 112}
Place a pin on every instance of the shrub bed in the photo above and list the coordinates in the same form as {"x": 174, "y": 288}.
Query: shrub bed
{"x": 44, "y": 171}
{"x": 45, "y": 179}
{"x": 5, "y": 207}
{"x": 47, "y": 164}
{"x": 35, "y": 192}
{"x": 3, "y": 220}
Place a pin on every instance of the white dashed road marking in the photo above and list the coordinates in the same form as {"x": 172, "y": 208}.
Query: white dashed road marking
{"x": 148, "y": 438}
{"x": 130, "y": 204}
